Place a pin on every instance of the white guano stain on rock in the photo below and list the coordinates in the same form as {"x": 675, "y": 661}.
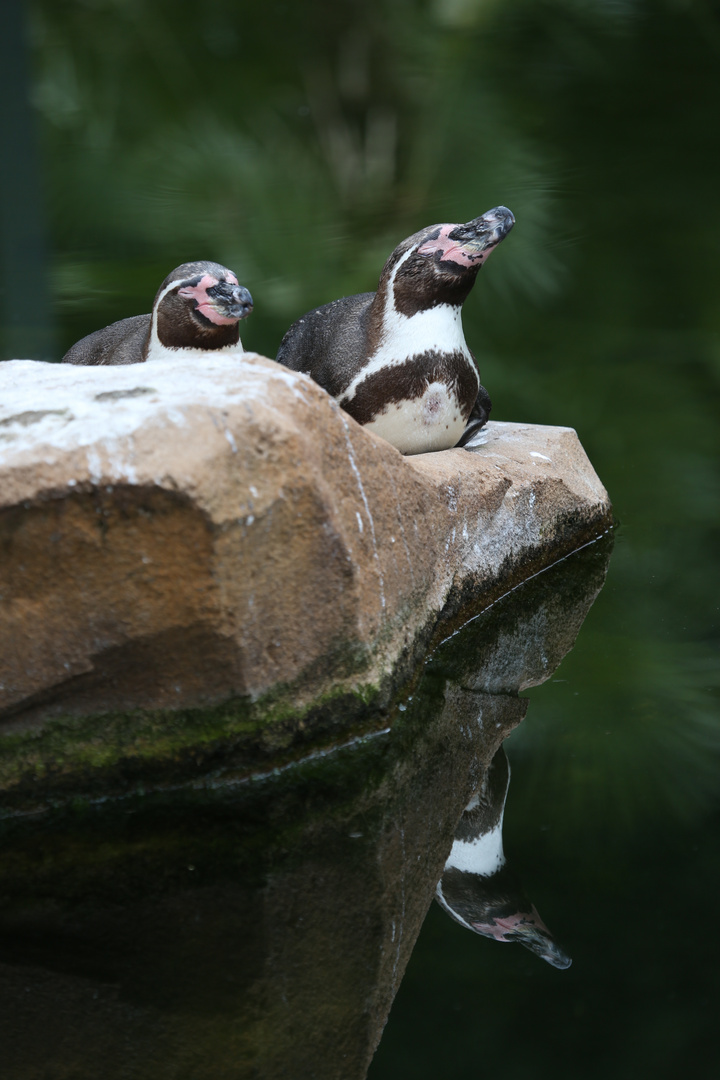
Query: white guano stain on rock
{"x": 356, "y": 471}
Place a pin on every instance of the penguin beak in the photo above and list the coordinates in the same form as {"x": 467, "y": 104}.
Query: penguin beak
{"x": 231, "y": 301}
{"x": 484, "y": 233}
{"x": 539, "y": 941}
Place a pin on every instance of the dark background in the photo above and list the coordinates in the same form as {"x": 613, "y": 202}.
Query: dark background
{"x": 298, "y": 144}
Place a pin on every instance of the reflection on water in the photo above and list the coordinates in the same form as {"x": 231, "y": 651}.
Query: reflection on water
{"x": 478, "y": 889}
{"x": 262, "y": 929}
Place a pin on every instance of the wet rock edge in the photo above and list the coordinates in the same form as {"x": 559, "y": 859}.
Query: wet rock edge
{"x": 116, "y": 754}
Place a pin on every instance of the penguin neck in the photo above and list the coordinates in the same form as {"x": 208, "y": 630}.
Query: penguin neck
{"x": 399, "y": 336}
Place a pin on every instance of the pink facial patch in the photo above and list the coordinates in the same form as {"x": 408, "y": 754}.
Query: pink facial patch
{"x": 205, "y": 304}
{"x": 451, "y": 250}
{"x": 499, "y": 928}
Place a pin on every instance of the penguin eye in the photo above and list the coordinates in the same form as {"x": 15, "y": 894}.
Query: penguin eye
{"x": 191, "y": 282}
{"x": 198, "y": 288}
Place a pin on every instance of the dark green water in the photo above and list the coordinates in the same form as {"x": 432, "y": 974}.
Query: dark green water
{"x": 298, "y": 145}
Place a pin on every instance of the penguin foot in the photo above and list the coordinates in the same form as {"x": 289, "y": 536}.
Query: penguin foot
{"x": 477, "y": 419}
{"x": 469, "y": 433}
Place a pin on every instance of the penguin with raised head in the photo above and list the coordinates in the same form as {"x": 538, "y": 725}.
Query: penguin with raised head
{"x": 396, "y": 359}
{"x": 477, "y": 888}
{"x": 197, "y": 311}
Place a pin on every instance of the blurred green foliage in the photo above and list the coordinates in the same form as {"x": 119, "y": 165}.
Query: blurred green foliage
{"x": 297, "y": 144}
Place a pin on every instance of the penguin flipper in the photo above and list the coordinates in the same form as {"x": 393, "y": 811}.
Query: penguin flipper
{"x": 122, "y": 342}
{"x": 478, "y": 416}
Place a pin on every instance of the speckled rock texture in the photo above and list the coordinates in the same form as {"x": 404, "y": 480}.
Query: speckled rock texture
{"x": 177, "y": 536}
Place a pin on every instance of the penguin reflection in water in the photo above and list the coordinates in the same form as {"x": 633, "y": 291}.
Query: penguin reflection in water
{"x": 197, "y": 311}
{"x": 396, "y": 359}
{"x": 478, "y": 889}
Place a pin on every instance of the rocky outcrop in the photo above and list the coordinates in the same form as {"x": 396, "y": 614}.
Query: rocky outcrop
{"x": 179, "y": 538}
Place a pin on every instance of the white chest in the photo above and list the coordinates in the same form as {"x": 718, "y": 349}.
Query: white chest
{"x": 483, "y": 855}
{"x": 438, "y": 329}
{"x": 157, "y": 351}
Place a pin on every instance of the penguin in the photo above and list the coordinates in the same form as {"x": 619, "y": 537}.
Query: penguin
{"x": 197, "y": 310}
{"x": 396, "y": 359}
{"x": 477, "y": 888}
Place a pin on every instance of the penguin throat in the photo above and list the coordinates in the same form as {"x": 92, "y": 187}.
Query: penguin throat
{"x": 189, "y": 333}
{"x": 436, "y": 327}
{"x": 187, "y": 338}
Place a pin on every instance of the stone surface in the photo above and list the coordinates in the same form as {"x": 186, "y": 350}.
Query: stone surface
{"x": 175, "y": 536}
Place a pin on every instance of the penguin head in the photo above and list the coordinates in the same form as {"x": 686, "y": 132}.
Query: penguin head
{"x": 439, "y": 264}
{"x": 496, "y": 906}
{"x": 527, "y": 928}
{"x": 199, "y": 306}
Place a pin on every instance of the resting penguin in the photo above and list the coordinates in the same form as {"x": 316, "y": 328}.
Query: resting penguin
{"x": 197, "y": 310}
{"x": 396, "y": 359}
{"x": 477, "y": 888}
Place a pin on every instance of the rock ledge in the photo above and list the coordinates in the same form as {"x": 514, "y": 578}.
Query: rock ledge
{"x": 177, "y": 538}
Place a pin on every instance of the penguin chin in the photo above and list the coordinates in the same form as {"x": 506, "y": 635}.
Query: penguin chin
{"x": 458, "y": 262}
{"x": 480, "y": 248}
{"x": 209, "y": 315}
